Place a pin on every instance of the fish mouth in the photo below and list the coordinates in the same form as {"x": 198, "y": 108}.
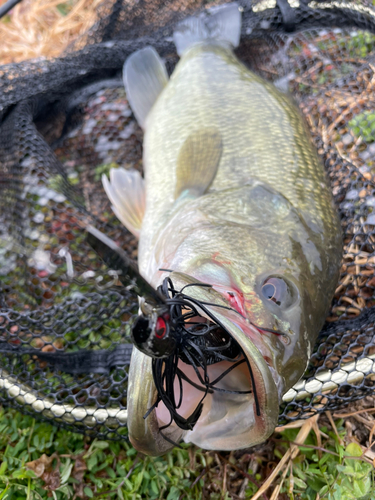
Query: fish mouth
{"x": 240, "y": 410}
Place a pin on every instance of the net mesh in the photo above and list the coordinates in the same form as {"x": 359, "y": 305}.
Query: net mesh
{"x": 65, "y": 122}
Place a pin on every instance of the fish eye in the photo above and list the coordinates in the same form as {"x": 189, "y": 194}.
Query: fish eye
{"x": 279, "y": 291}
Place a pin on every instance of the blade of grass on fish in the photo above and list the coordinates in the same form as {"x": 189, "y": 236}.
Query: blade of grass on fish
{"x": 115, "y": 258}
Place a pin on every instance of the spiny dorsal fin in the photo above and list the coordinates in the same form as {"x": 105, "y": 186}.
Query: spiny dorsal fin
{"x": 144, "y": 76}
{"x": 126, "y": 192}
{"x": 198, "y": 161}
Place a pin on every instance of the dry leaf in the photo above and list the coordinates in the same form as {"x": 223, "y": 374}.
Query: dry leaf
{"x": 43, "y": 468}
{"x": 79, "y": 468}
{"x": 77, "y": 473}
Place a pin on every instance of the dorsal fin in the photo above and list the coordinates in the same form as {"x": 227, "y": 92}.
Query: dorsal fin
{"x": 144, "y": 76}
{"x": 198, "y": 161}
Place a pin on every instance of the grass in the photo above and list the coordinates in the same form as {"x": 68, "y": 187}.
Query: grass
{"x": 363, "y": 125}
{"x": 84, "y": 468}
{"x": 327, "y": 470}
{"x": 40, "y": 461}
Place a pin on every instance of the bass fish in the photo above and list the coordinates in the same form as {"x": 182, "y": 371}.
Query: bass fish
{"x": 234, "y": 196}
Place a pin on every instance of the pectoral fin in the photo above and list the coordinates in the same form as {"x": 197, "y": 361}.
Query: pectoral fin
{"x": 144, "y": 76}
{"x": 126, "y": 192}
{"x": 198, "y": 161}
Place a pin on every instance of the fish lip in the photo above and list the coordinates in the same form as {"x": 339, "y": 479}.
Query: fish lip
{"x": 144, "y": 433}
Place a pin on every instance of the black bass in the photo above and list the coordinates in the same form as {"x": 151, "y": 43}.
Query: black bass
{"x": 235, "y": 196}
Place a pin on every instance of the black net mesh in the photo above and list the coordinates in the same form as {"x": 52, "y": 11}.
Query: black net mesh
{"x": 65, "y": 122}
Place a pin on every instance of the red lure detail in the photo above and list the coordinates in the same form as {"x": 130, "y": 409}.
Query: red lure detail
{"x": 160, "y": 328}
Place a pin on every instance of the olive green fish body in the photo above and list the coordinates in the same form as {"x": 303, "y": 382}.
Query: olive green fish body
{"x": 236, "y": 197}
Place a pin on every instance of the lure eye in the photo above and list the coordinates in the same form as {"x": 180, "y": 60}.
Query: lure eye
{"x": 160, "y": 328}
{"x": 279, "y": 291}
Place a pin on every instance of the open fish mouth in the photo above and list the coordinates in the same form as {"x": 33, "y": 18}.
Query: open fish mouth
{"x": 218, "y": 394}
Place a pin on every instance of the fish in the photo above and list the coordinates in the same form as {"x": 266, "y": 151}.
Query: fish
{"x": 236, "y": 205}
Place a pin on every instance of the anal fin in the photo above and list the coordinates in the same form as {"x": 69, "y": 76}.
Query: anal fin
{"x": 126, "y": 192}
{"x": 144, "y": 76}
{"x": 198, "y": 161}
